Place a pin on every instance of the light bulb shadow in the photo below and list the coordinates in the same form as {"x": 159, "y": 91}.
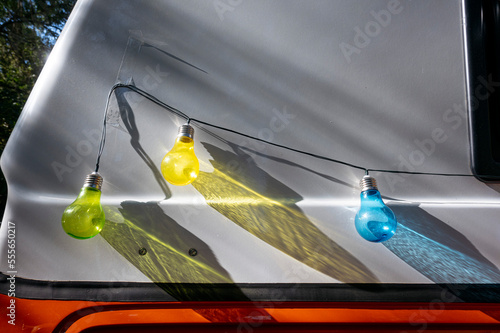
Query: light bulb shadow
{"x": 240, "y": 150}
{"x": 293, "y": 164}
{"x": 266, "y": 208}
{"x": 436, "y": 250}
{"x": 128, "y": 118}
{"x": 296, "y": 165}
{"x": 167, "y": 261}
{"x": 172, "y": 56}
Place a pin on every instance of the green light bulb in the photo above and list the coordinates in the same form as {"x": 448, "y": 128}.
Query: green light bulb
{"x": 180, "y": 165}
{"x": 84, "y": 218}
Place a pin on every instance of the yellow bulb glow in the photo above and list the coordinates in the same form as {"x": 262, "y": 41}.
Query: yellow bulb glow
{"x": 180, "y": 166}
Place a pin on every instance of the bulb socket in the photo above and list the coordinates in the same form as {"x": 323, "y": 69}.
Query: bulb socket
{"x": 368, "y": 183}
{"x": 186, "y": 130}
{"x": 94, "y": 180}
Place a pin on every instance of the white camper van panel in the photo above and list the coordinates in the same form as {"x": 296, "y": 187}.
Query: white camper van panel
{"x": 379, "y": 84}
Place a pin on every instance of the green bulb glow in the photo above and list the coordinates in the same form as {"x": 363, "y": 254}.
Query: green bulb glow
{"x": 180, "y": 165}
{"x": 84, "y": 218}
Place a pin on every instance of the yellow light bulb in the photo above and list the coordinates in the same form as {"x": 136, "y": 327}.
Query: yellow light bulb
{"x": 180, "y": 165}
{"x": 84, "y": 218}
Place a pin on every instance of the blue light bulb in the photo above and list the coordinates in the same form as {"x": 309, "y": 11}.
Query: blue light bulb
{"x": 374, "y": 221}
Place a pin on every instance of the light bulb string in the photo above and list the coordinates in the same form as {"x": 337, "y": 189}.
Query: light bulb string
{"x": 102, "y": 142}
{"x": 139, "y": 91}
{"x": 366, "y": 170}
{"x": 191, "y": 120}
{"x": 278, "y": 145}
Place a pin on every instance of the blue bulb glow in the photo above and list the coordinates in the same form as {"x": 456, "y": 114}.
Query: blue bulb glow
{"x": 374, "y": 221}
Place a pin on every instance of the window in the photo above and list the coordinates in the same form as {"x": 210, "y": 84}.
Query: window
{"x": 482, "y": 32}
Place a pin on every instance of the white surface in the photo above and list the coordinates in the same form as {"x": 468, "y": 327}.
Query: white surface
{"x": 260, "y": 59}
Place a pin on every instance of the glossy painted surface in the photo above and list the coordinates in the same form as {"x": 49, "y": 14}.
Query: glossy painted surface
{"x": 45, "y": 316}
{"x": 376, "y": 83}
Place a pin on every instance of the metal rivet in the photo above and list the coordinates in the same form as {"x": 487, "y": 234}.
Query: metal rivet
{"x": 143, "y": 251}
{"x": 192, "y": 252}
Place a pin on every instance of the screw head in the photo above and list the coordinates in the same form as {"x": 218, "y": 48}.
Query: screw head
{"x": 143, "y": 251}
{"x": 193, "y": 252}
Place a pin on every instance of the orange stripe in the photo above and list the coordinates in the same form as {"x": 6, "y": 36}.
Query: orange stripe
{"x": 415, "y": 316}
{"x": 46, "y": 315}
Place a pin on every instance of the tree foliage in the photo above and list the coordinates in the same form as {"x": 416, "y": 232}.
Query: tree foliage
{"x": 28, "y": 31}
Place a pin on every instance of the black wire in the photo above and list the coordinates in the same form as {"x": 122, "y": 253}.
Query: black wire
{"x": 140, "y": 92}
{"x": 103, "y": 133}
{"x": 425, "y": 173}
{"x": 280, "y": 146}
{"x": 189, "y": 120}
{"x": 153, "y": 99}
